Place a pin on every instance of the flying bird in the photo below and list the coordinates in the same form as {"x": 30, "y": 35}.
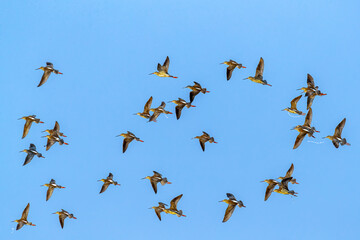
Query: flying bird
{"x": 181, "y": 103}
{"x": 155, "y": 179}
{"x": 29, "y": 120}
{"x": 63, "y": 215}
{"x": 173, "y": 207}
{"x": 31, "y": 152}
{"x": 47, "y": 71}
{"x": 23, "y": 220}
{"x": 270, "y": 188}
{"x": 289, "y": 174}
{"x": 55, "y": 130}
{"x": 109, "y": 180}
{"x": 283, "y": 187}
{"x": 336, "y": 138}
{"x": 259, "y": 74}
{"x": 231, "y": 207}
{"x": 157, "y": 111}
{"x": 195, "y": 90}
{"x": 128, "y": 137}
{"x": 293, "y": 108}
{"x": 51, "y": 186}
{"x": 311, "y": 91}
{"x": 146, "y": 113}
{"x": 304, "y": 129}
{"x": 52, "y": 139}
{"x": 205, "y": 138}
{"x": 159, "y": 209}
{"x": 163, "y": 69}
{"x": 231, "y": 66}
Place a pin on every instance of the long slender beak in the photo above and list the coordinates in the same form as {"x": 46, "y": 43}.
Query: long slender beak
{"x": 170, "y": 113}
{"x": 74, "y": 217}
{"x": 151, "y": 73}
{"x": 42, "y": 157}
{"x": 323, "y": 137}
{"x": 245, "y": 78}
{"x": 20, "y": 118}
{"x": 37, "y": 69}
{"x": 215, "y": 142}
{"x": 269, "y": 85}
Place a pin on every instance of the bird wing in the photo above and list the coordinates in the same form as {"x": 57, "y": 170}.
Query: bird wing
{"x": 28, "y": 158}
{"x": 197, "y": 84}
{"x": 166, "y": 64}
{"x": 19, "y": 225}
{"x": 154, "y": 116}
{"x": 104, "y": 187}
{"x": 25, "y": 212}
{"x": 178, "y": 109}
{"x": 231, "y": 196}
{"x": 32, "y": 147}
{"x": 284, "y": 183}
{"x": 159, "y": 67}
{"x": 310, "y": 100}
{"x": 229, "y": 211}
{"x": 308, "y": 118}
{"x": 202, "y": 144}
{"x": 154, "y": 185}
{"x": 175, "y": 201}
{"x": 49, "y": 64}
{"x": 26, "y": 128}
{"x": 126, "y": 143}
{"x": 49, "y": 193}
{"x": 339, "y": 128}
{"x": 148, "y": 105}
{"x": 229, "y": 71}
{"x": 299, "y": 139}
{"x": 192, "y": 95}
{"x": 110, "y": 176}
{"x": 49, "y": 143}
{"x": 336, "y": 143}
{"x": 44, "y": 77}
{"x": 295, "y": 101}
{"x": 52, "y": 181}
{"x": 163, "y": 104}
{"x": 157, "y": 174}
{"x": 158, "y": 212}
{"x": 310, "y": 81}
{"x": 269, "y": 190}
{"x": 206, "y": 134}
{"x": 290, "y": 171}
{"x": 61, "y": 219}
{"x": 260, "y": 68}
{"x": 56, "y": 127}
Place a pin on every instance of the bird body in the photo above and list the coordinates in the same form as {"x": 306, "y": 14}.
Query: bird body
{"x": 159, "y": 209}
{"x": 293, "y": 108}
{"x": 195, "y": 90}
{"x": 29, "y": 120}
{"x": 163, "y": 69}
{"x": 232, "y": 203}
{"x": 128, "y": 138}
{"x": 51, "y": 186}
{"x": 205, "y": 138}
{"x": 48, "y": 69}
{"x": 270, "y": 188}
{"x": 63, "y": 215}
{"x": 181, "y": 103}
{"x": 311, "y": 91}
{"x": 258, "y": 78}
{"x": 23, "y": 220}
{"x": 109, "y": 180}
{"x": 155, "y": 179}
{"x": 304, "y": 130}
{"x": 157, "y": 111}
{"x": 146, "y": 113}
{"x": 336, "y": 138}
{"x": 173, "y": 207}
{"x": 231, "y": 66}
{"x": 283, "y": 187}
{"x": 31, "y": 152}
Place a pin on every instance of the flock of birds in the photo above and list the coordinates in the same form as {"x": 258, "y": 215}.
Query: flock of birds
{"x": 55, "y": 136}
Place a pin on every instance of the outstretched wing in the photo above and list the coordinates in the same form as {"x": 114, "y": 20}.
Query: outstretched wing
{"x": 310, "y": 81}
{"x": 49, "y": 193}
{"x": 44, "y": 77}
{"x": 231, "y": 196}
{"x": 308, "y": 118}
{"x": 158, "y": 212}
{"x": 32, "y": 147}
{"x": 310, "y": 100}
{"x": 28, "y": 158}
{"x": 336, "y": 143}
{"x": 178, "y": 109}
{"x": 299, "y": 139}
{"x": 126, "y": 143}
{"x": 202, "y": 144}
{"x": 290, "y": 171}
{"x": 26, "y": 128}
{"x": 339, "y": 128}
{"x": 166, "y": 64}
{"x": 154, "y": 116}
{"x": 61, "y": 219}
{"x": 229, "y": 71}
{"x": 49, "y": 143}
{"x": 260, "y": 69}
{"x": 148, "y": 105}
{"x": 229, "y": 211}
{"x": 154, "y": 185}
{"x": 104, "y": 187}
{"x": 56, "y": 127}
{"x": 192, "y": 95}
{"x": 269, "y": 190}
{"x": 175, "y": 201}
{"x": 295, "y": 101}
{"x": 25, "y": 212}
{"x": 19, "y": 225}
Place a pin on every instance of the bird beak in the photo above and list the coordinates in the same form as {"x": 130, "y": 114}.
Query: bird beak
{"x": 193, "y": 106}
{"x": 37, "y": 69}
{"x": 60, "y": 73}
{"x": 64, "y": 135}
{"x": 183, "y": 215}
{"x": 141, "y": 140}
{"x": 245, "y": 78}
{"x": 243, "y": 67}
{"x": 215, "y": 142}
{"x": 74, "y": 217}
{"x": 170, "y": 113}
{"x": 323, "y": 94}
{"x": 151, "y": 73}
{"x": 66, "y": 143}
{"x": 317, "y": 131}
{"x": 33, "y": 225}
{"x": 41, "y": 122}
{"x": 42, "y": 156}
{"x": 168, "y": 183}
{"x": 269, "y": 85}
{"x": 207, "y": 91}
{"x": 174, "y": 77}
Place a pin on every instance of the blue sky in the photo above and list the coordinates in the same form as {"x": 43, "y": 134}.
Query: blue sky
{"x": 106, "y": 49}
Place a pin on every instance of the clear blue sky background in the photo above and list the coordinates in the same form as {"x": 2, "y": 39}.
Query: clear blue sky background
{"x": 106, "y": 49}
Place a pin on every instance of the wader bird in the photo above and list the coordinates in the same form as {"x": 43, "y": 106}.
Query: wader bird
{"x": 31, "y": 152}
{"x": 304, "y": 129}
{"x": 293, "y": 108}
{"x": 204, "y": 138}
{"x": 283, "y": 187}
{"x": 62, "y": 215}
{"x": 23, "y": 220}
{"x": 259, "y": 74}
{"x": 128, "y": 137}
{"x": 270, "y": 188}
{"x": 311, "y": 91}
{"x": 231, "y": 66}
{"x": 47, "y": 71}
{"x": 146, "y": 113}
{"x": 163, "y": 70}
{"x": 159, "y": 209}
{"x": 231, "y": 207}
{"x": 109, "y": 180}
{"x": 181, "y": 103}
{"x": 288, "y": 174}
{"x": 336, "y": 138}
{"x": 51, "y": 186}
{"x": 157, "y": 111}
{"x": 29, "y": 120}
{"x": 196, "y": 89}
{"x": 173, "y": 207}
{"x": 155, "y": 179}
